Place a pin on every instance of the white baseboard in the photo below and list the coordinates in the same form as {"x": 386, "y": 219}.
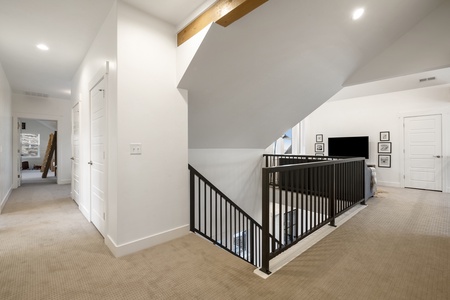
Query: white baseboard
{"x": 84, "y": 212}
{"x": 389, "y": 184}
{"x": 64, "y": 181}
{"x": 145, "y": 243}
{"x": 5, "y": 199}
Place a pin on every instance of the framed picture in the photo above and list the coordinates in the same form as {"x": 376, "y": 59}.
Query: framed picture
{"x": 384, "y": 136}
{"x": 319, "y": 154}
{"x": 384, "y": 147}
{"x": 320, "y": 147}
{"x": 384, "y": 161}
{"x": 319, "y": 138}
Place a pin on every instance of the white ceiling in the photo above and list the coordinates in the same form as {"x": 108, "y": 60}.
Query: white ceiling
{"x": 250, "y": 82}
{"x": 68, "y": 27}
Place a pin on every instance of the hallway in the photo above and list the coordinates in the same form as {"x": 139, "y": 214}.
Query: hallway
{"x": 397, "y": 248}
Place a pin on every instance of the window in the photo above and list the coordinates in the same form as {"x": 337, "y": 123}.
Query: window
{"x": 30, "y": 143}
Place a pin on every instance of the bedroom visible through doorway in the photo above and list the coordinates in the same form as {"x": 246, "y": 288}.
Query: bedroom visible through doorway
{"x": 34, "y": 136}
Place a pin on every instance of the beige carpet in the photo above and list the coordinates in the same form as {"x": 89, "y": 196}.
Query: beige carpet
{"x": 397, "y": 248}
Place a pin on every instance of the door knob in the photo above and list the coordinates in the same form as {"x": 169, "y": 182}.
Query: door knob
{"x": 72, "y": 158}
{"x": 90, "y": 163}
{"x": 437, "y": 156}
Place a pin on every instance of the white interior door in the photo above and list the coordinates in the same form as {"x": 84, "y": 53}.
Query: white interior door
{"x": 423, "y": 152}
{"x": 98, "y": 155}
{"x": 75, "y": 191}
{"x": 19, "y": 153}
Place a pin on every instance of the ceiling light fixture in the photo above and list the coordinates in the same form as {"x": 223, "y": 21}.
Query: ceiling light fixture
{"x": 357, "y": 13}
{"x": 42, "y": 47}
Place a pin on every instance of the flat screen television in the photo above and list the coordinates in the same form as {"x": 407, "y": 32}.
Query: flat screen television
{"x": 357, "y": 146}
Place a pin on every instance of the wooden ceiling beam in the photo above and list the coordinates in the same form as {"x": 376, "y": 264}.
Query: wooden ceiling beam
{"x": 222, "y": 12}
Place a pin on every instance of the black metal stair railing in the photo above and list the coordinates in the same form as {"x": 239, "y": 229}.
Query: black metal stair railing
{"x": 215, "y": 217}
{"x": 302, "y": 194}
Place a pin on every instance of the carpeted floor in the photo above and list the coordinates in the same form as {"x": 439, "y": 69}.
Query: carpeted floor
{"x": 397, "y": 248}
{"x": 35, "y": 176}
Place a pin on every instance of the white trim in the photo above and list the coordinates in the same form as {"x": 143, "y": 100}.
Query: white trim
{"x": 390, "y": 184}
{"x": 85, "y": 212}
{"x": 78, "y": 107}
{"x": 102, "y": 74}
{"x": 16, "y": 138}
{"x": 5, "y": 199}
{"x": 446, "y": 152}
{"x": 145, "y": 243}
{"x": 64, "y": 181}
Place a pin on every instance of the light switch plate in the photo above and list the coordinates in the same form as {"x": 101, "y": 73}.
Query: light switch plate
{"x": 135, "y": 148}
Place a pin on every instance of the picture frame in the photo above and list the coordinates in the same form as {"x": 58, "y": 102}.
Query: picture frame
{"x": 319, "y": 147}
{"x": 384, "y": 161}
{"x": 319, "y": 138}
{"x": 384, "y": 147}
{"x": 385, "y": 136}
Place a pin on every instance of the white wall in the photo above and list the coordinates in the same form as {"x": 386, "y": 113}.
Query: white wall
{"x": 103, "y": 49}
{"x": 148, "y": 194}
{"x": 236, "y": 172}
{"x": 30, "y": 107}
{"x": 153, "y": 189}
{"x": 385, "y": 112}
{"x": 6, "y": 166}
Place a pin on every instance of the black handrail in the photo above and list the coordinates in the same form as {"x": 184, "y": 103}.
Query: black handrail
{"x": 302, "y": 194}
{"x": 217, "y": 218}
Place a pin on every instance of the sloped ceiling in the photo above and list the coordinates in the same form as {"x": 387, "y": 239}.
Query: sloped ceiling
{"x": 68, "y": 27}
{"x": 248, "y": 83}
{"x": 423, "y": 48}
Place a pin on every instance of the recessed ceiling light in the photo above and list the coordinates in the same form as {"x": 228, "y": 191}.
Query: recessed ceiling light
{"x": 357, "y": 13}
{"x": 42, "y": 47}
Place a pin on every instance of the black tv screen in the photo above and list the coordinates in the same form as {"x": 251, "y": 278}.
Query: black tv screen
{"x": 357, "y": 146}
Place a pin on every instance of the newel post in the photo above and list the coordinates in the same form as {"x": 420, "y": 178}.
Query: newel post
{"x": 333, "y": 197}
{"x": 265, "y": 247}
{"x": 192, "y": 199}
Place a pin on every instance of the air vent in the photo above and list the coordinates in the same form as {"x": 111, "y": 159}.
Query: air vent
{"x": 427, "y": 79}
{"x": 34, "y": 94}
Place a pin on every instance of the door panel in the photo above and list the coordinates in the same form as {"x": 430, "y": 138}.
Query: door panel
{"x": 97, "y": 156}
{"x": 423, "y": 152}
{"x": 76, "y": 153}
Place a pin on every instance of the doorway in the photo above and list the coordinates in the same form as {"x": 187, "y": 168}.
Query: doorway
{"x": 34, "y": 137}
{"x": 423, "y": 152}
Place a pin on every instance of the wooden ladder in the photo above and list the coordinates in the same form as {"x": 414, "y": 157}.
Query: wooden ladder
{"x": 51, "y": 149}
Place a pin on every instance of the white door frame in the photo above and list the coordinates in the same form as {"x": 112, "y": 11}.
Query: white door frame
{"x": 102, "y": 74}
{"x": 16, "y": 138}
{"x": 445, "y": 116}
{"x": 78, "y": 106}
